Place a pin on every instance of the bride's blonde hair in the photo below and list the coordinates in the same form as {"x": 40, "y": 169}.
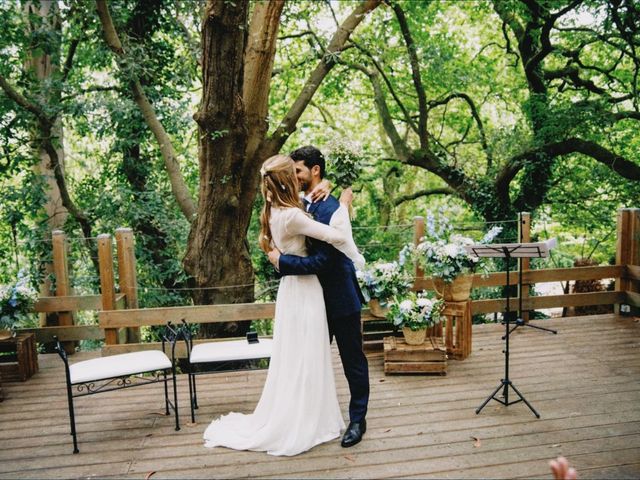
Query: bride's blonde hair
{"x": 279, "y": 187}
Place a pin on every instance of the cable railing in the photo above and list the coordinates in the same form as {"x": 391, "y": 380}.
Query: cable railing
{"x": 118, "y": 304}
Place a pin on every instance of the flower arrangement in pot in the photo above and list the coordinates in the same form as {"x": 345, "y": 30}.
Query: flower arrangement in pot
{"x": 414, "y": 314}
{"x": 16, "y": 304}
{"x": 442, "y": 255}
{"x": 381, "y": 282}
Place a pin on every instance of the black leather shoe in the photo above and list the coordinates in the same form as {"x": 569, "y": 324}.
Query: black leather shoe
{"x": 354, "y": 433}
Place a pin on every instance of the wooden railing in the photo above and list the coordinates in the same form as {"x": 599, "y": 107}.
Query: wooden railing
{"x": 543, "y": 276}
{"x": 111, "y": 319}
{"x": 65, "y": 304}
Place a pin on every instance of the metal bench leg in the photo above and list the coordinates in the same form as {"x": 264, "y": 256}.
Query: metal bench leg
{"x": 193, "y": 416}
{"x": 72, "y": 418}
{"x": 195, "y": 394}
{"x": 166, "y": 393}
{"x": 175, "y": 396}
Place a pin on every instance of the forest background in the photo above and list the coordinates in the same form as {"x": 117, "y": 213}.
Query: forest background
{"x": 156, "y": 115}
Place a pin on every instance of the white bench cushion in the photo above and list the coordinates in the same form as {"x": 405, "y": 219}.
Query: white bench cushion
{"x": 231, "y": 350}
{"x": 118, "y": 366}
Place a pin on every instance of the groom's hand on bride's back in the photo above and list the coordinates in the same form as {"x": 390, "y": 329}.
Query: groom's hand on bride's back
{"x": 274, "y": 258}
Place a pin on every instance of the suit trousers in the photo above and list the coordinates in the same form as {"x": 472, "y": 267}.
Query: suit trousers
{"x": 348, "y": 333}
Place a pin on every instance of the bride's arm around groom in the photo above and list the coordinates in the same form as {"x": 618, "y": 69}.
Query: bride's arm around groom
{"x": 337, "y": 233}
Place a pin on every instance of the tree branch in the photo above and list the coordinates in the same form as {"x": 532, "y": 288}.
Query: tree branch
{"x": 453, "y": 176}
{"x": 178, "y": 184}
{"x": 385, "y": 78}
{"x": 68, "y": 63}
{"x": 95, "y": 88}
{"x": 625, "y": 115}
{"x": 415, "y": 73}
{"x": 288, "y": 124}
{"x": 192, "y": 45}
{"x": 46, "y": 126}
{"x": 545, "y": 33}
{"x": 573, "y": 74}
{"x": 258, "y": 67}
{"x": 422, "y": 193}
{"x": 399, "y": 145}
{"x": 476, "y": 117}
{"x": 14, "y": 95}
{"x": 623, "y": 167}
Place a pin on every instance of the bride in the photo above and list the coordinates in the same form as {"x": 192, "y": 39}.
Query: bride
{"x": 299, "y": 407}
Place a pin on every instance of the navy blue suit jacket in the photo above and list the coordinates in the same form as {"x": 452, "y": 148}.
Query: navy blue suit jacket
{"x": 337, "y": 275}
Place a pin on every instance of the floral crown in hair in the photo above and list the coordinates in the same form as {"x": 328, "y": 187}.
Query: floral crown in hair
{"x": 264, "y": 173}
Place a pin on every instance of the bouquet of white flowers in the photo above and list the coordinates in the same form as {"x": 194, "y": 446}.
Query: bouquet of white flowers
{"x": 16, "y": 302}
{"x": 415, "y": 312}
{"x": 345, "y": 162}
{"x": 384, "y": 281}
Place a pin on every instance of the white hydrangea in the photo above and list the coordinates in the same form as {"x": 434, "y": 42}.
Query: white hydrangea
{"x": 451, "y": 250}
{"x": 423, "y": 302}
{"x": 406, "y": 306}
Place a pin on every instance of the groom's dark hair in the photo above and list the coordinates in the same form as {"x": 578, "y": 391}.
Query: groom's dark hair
{"x": 311, "y": 157}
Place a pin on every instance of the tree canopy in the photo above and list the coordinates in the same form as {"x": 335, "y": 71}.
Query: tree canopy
{"x": 157, "y": 114}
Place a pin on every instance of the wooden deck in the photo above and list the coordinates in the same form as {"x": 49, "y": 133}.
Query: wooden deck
{"x": 585, "y": 382}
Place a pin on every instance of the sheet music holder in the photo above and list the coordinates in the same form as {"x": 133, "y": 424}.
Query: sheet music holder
{"x": 513, "y": 250}
{"x": 509, "y": 251}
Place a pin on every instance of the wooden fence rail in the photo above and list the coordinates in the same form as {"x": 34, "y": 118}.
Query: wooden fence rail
{"x": 119, "y": 326}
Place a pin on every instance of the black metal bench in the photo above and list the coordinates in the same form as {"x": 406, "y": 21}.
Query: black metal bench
{"x": 116, "y": 372}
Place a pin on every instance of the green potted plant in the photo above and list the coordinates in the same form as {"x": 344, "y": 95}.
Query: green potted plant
{"x": 415, "y": 314}
{"x": 16, "y": 304}
{"x": 381, "y": 282}
{"x": 441, "y": 255}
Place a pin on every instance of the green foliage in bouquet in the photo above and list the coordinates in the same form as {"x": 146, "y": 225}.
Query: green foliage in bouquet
{"x": 345, "y": 159}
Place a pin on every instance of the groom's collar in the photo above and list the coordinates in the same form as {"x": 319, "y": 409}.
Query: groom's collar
{"x": 309, "y": 202}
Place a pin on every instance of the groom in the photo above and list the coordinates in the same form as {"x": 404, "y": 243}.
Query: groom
{"x": 342, "y": 295}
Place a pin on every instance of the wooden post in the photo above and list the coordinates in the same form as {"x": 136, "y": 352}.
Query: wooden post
{"x": 127, "y": 276}
{"x": 418, "y": 233}
{"x": 524, "y": 236}
{"x": 627, "y": 247}
{"x": 107, "y": 287}
{"x": 61, "y": 272}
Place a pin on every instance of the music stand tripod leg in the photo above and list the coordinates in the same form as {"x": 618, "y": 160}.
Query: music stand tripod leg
{"x": 524, "y": 400}
{"x": 520, "y": 323}
{"x": 492, "y": 396}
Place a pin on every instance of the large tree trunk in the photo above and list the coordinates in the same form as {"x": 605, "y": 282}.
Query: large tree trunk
{"x": 217, "y": 252}
{"x": 42, "y": 66}
{"x": 236, "y": 73}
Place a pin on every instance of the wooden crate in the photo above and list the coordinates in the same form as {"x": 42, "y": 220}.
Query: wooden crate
{"x": 428, "y": 358}
{"x": 18, "y": 358}
{"x": 457, "y": 331}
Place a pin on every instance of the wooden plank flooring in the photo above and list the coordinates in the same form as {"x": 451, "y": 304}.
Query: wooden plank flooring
{"x": 585, "y": 383}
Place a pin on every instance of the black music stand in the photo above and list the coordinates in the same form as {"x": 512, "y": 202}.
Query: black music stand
{"x": 509, "y": 251}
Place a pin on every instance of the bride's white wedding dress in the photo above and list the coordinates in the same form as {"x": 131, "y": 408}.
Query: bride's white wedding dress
{"x": 299, "y": 407}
